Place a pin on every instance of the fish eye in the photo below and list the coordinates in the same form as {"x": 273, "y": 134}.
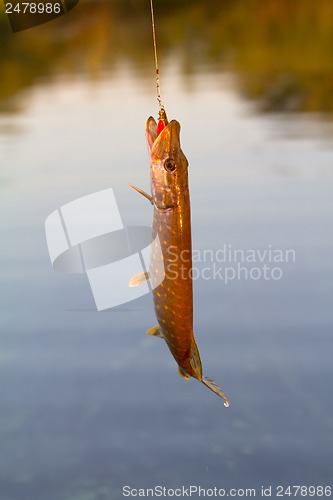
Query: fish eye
{"x": 170, "y": 164}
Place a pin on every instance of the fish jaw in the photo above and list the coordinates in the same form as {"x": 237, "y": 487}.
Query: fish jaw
{"x": 166, "y": 143}
{"x": 151, "y": 132}
{"x": 168, "y": 164}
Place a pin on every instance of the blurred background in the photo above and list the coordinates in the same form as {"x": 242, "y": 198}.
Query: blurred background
{"x": 88, "y": 403}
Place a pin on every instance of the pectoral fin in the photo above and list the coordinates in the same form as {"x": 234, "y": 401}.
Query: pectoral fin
{"x": 146, "y": 195}
{"x": 138, "y": 279}
{"x": 215, "y": 388}
{"x": 155, "y": 331}
{"x": 183, "y": 373}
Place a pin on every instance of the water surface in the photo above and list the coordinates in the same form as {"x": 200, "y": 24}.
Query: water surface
{"x": 88, "y": 402}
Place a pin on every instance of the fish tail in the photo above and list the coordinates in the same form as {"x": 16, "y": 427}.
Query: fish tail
{"x": 215, "y": 388}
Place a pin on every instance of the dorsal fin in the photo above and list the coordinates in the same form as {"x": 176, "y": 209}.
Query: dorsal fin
{"x": 195, "y": 360}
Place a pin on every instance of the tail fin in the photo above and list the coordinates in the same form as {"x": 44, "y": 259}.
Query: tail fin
{"x": 215, "y": 388}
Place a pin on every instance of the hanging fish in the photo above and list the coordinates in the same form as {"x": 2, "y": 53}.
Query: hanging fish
{"x": 173, "y": 297}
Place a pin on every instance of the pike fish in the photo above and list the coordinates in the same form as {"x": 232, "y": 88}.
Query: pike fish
{"x": 173, "y": 297}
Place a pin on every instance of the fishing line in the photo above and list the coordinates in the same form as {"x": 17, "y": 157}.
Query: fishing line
{"x": 158, "y": 86}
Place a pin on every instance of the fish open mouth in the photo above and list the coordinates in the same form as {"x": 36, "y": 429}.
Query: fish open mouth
{"x": 167, "y": 140}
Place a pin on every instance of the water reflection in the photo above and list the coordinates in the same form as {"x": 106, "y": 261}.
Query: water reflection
{"x": 88, "y": 402}
{"x": 282, "y": 58}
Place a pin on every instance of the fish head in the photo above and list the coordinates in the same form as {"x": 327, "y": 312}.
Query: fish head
{"x": 168, "y": 167}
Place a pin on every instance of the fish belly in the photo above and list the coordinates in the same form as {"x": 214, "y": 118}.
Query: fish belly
{"x": 173, "y": 298}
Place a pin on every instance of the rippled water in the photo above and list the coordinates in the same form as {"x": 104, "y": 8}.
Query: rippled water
{"x": 88, "y": 402}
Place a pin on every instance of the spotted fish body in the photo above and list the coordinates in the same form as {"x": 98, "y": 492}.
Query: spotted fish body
{"x": 173, "y": 297}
